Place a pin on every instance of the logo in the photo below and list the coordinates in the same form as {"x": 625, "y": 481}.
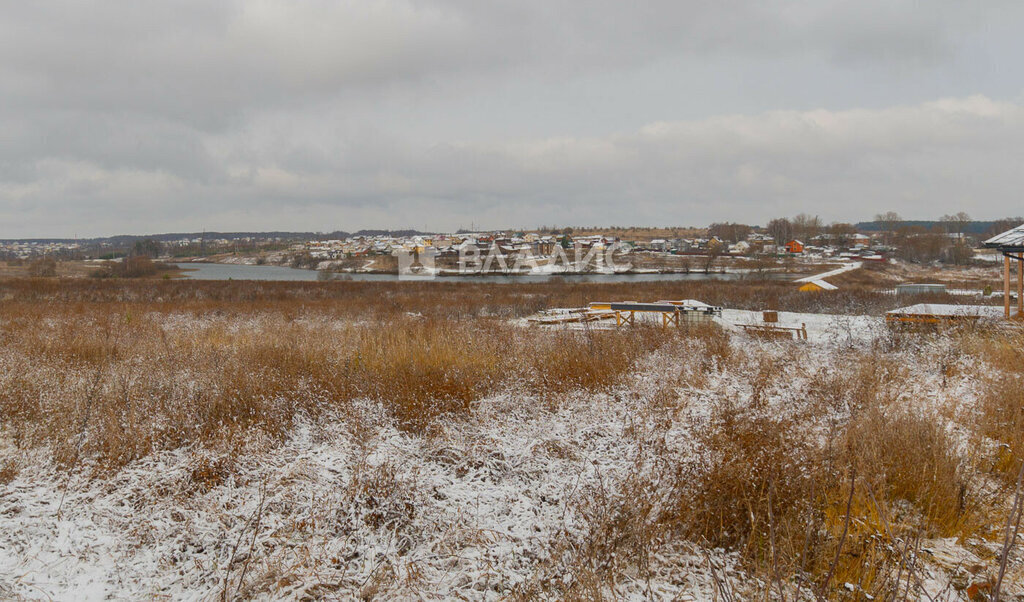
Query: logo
{"x": 417, "y": 263}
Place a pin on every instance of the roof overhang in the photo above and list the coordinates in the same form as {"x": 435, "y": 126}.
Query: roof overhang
{"x": 1011, "y": 241}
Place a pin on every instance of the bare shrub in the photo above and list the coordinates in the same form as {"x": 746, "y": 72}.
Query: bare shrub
{"x": 136, "y": 266}
{"x": 1001, "y": 418}
{"x": 907, "y": 455}
{"x": 723, "y": 498}
{"x": 776, "y": 486}
{"x": 44, "y": 267}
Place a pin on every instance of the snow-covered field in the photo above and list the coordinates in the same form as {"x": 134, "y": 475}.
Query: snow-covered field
{"x": 501, "y": 502}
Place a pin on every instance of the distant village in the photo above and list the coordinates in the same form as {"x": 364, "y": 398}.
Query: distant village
{"x": 859, "y": 245}
{"x": 946, "y": 241}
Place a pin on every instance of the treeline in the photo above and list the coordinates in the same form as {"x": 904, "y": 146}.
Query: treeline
{"x": 984, "y": 229}
{"x": 127, "y": 240}
{"x": 944, "y": 240}
{"x": 784, "y": 229}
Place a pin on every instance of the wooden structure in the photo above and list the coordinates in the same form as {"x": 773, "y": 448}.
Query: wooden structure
{"x": 569, "y": 316}
{"x": 795, "y": 247}
{"x": 672, "y": 312}
{"x": 774, "y": 331}
{"x": 920, "y": 289}
{"x": 1011, "y": 245}
{"x": 936, "y": 314}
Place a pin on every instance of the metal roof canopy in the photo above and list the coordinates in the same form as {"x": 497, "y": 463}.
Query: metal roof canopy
{"x": 1011, "y": 245}
{"x": 1009, "y": 241}
{"x": 686, "y": 305}
{"x": 827, "y": 286}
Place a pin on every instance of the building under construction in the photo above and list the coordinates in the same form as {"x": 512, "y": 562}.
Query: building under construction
{"x": 671, "y": 313}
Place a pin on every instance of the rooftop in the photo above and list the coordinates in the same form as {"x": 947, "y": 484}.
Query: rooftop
{"x": 828, "y": 286}
{"x": 1009, "y": 240}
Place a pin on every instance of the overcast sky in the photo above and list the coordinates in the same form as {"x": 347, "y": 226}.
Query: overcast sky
{"x": 129, "y": 116}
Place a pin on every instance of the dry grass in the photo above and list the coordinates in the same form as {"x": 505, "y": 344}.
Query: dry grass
{"x": 1001, "y": 412}
{"x": 363, "y": 300}
{"x": 838, "y": 487}
{"x": 776, "y": 485}
{"x": 110, "y": 371}
{"x": 591, "y": 360}
{"x": 835, "y": 484}
{"x": 107, "y": 382}
{"x": 8, "y": 470}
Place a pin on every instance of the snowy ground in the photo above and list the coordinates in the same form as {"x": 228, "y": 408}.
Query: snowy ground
{"x": 467, "y": 513}
{"x": 358, "y": 508}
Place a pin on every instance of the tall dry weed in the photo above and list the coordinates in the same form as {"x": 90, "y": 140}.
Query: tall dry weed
{"x": 776, "y": 486}
{"x": 109, "y": 383}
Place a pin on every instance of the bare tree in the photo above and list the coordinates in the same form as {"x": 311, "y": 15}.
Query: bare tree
{"x": 890, "y": 221}
{"x": 806, "y": 226}
{"x": 956, "y": 223}
{"x": 44, "y": 267}
{"x": 947, "y": 223}
{"x": 919, "y": 245}
{"x": 729, "y": 232}
{"x": 1002, "y": 225}
{"x": 714, "y": 250}
{"x": 842, "y": 233}
{"x": 781, "y": 229}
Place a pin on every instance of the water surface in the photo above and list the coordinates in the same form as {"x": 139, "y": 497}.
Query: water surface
{"x": 223, "y": 271}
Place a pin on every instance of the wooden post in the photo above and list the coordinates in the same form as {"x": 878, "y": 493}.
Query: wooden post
{"x": 1006, "y": 285}
{"x": 1020, "y": 285}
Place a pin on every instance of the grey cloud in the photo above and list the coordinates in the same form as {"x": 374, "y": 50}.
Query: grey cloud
{"x": 319, "y": 115}
{"x": 208, "y": 61}
{"x": 939, "y": 156}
